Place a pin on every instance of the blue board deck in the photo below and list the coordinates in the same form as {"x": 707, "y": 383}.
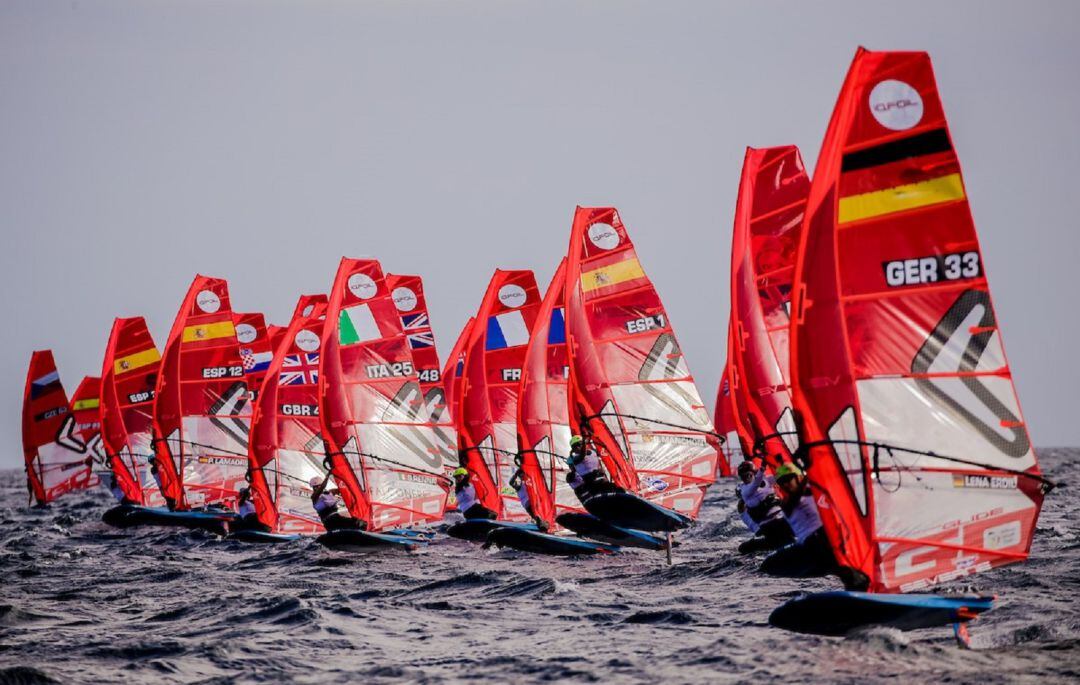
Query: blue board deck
{"x": 627, "y": 510}
{"x": 544, "y": 543}
{"x": 357, "y": 539}
{"x": 589, "y": 526}
{"x": 128, "y": 515}
{"x": 840, "y": 612}
{"x": 476, "y": 530}
{"x": 262, "y": 536}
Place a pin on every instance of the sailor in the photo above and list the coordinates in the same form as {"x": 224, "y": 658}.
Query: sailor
{"x": 811, "y": 542}
{"x": 156, "y": 473}
{"x": 327, "y": 503}
{"x": 757, "y": 493}
{"x": 246, "y": 518}
{"x": 747, "y": 519}
{"x": 517, "y": 482}
{"x": 467, "y": 501}
{"x": 586, "y": 476}
{"x": 117, "y": 491}
{"x": 799, "y": 509}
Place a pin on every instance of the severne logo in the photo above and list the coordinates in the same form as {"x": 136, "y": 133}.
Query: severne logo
{"x": 896, "y": 105}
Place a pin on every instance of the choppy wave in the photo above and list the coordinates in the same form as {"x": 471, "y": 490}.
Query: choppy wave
{"x": 83, "y": 603}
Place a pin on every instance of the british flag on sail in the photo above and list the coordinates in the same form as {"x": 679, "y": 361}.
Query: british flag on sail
{"x": 299, "y": 369}
{"x": 418, "y": 330}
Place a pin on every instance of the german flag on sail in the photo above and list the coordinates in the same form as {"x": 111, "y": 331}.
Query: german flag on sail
{"x": 208, "y": 331}
{"x": 136, "y": 360}
{"x": 900, "y": 175}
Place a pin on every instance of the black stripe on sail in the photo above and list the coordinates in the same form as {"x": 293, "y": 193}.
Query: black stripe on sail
{"x": 915, "y": 146}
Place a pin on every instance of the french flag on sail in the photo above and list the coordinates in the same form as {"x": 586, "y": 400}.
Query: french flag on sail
{"x": 506, "y": 330}
{"x": 557, "y": 331}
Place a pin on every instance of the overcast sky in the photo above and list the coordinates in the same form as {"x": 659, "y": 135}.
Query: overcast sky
{"x": 142, "y": 142}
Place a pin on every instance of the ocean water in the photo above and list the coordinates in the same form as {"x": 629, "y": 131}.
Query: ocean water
{"x": 83, "y": 603}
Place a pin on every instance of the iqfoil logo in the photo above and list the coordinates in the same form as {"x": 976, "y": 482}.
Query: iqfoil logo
{"x": 896, "y": 105}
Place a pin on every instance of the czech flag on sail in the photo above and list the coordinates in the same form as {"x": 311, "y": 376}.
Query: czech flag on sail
{"x": 506, "y": 330}
{"x": 44, "y": 385}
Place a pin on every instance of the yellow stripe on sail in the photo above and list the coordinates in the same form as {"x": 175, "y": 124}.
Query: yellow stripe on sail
{"x": 79, "y": 405}
{"x": 899, "y": 198}
{"x": 612, "y": 274}
{"x": 208, "y": 331}
{"x": 136, "y": 360}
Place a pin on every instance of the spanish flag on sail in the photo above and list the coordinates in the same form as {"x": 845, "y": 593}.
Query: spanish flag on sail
{"x": 609, "y": 275}
{"x": 916, "y": 172}
{"x": 205, "y": 332}
{"x": 136, "y": 360}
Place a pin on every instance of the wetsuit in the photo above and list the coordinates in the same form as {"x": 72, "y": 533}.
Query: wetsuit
{"x": 763, "y": 507}
{"x": 517, "y": 481}
{"x": 586, "y": 477}
{"x": 326, "y": 506}
{"x": 468, "y": 503}
{"x": 247, "y": 519}
{"x": 156, "y": 473}
{"x": 811, "y": 554}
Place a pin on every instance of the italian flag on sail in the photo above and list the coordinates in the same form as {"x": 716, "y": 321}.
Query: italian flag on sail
{"x": 357, "y": 324}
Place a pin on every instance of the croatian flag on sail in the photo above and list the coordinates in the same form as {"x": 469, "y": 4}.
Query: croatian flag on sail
{"x": 255, "y": 362}
{"x": 299, "y": 369}
{"x": 418, "y": 330}
{"x": 506, "y": 330}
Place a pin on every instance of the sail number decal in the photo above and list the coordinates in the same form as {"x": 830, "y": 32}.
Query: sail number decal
{"x": 645, "y": 324}
{"x": 392, "y": 370}
{"x": 922, "y": 270}
{"x": 429, "y": 375}
{"x": 511, "y": 375}
{"x": 139, "y": 397}
{"x": 223, "y": 372}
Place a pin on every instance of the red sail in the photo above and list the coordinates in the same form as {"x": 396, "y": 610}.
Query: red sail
{"x": 256, "y": 348}
{"x": 128, "y": 377}
{"x": 85, "y": 434}
{"x": 768, "y": 219}
{"x": 628, "y": 377}
{"x": 385, "y": 454}
{"x": 454, "y": 372}
{"x": 487, "y": 421}
{"x": 543, "y": 420}
{"x": 55, "y": 463}
{"x": 408, "y": 295}
{"x": 286, "y": 447}
{"x": 201, "y": 410}
{"x": 277, "y": 334}
{"x": 895, "y": 342}
{"x": 744, "y": 428}
{"x": 724, "y": 420}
